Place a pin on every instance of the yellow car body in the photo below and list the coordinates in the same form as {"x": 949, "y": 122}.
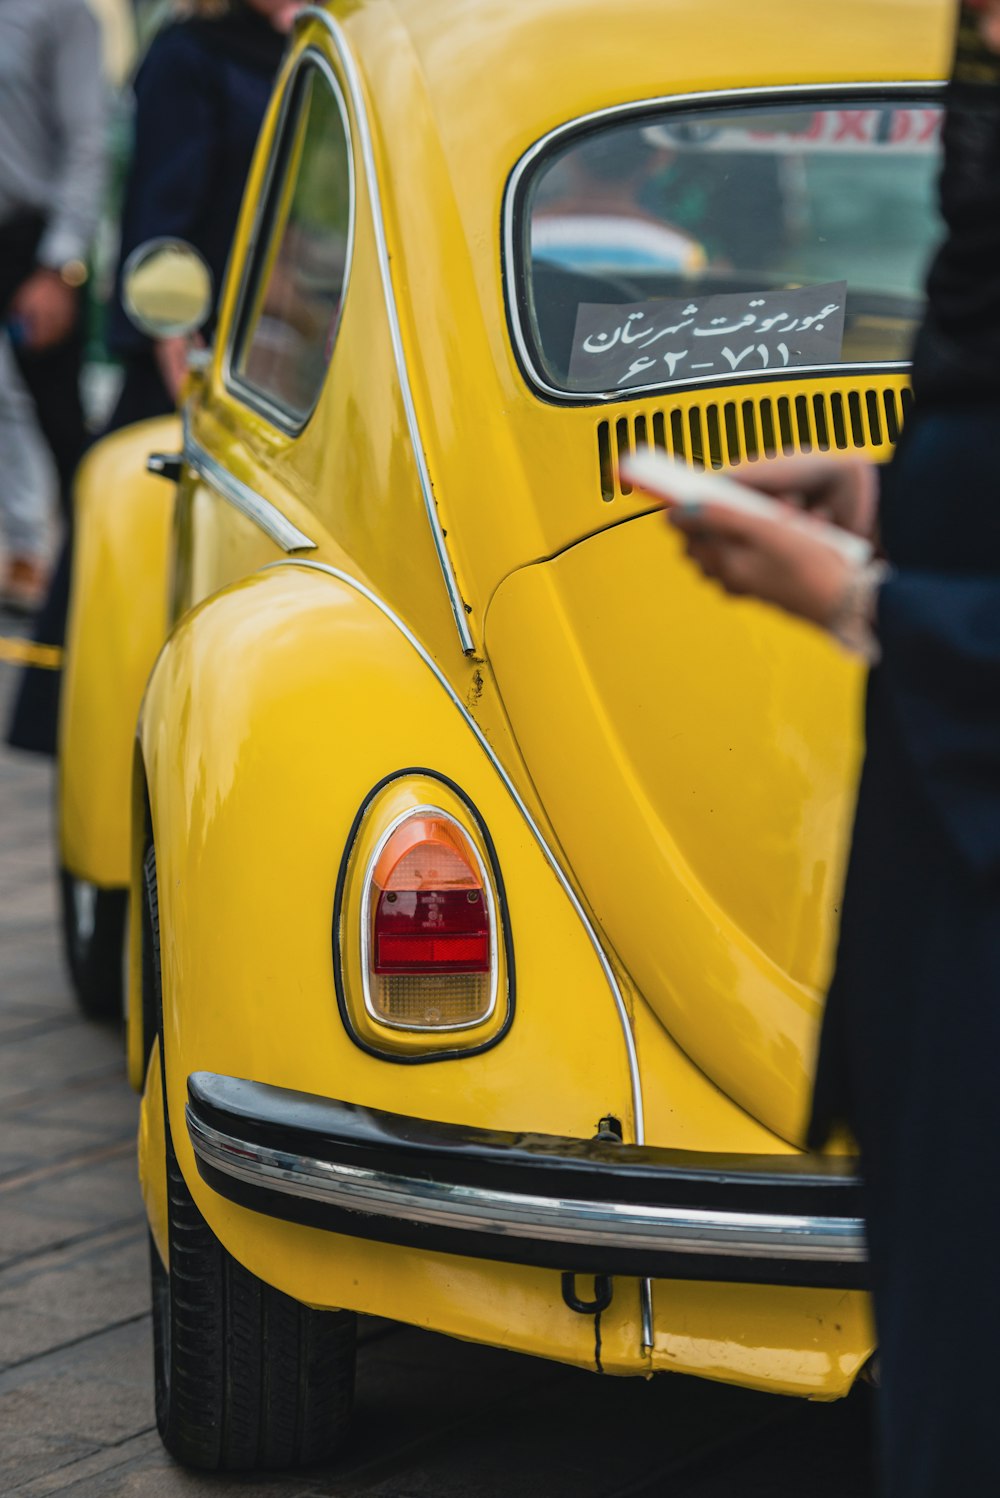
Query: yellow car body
{"x": 435, "y": 590}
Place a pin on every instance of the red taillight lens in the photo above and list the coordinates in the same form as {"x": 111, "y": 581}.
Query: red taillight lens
{"x": 430, "y": 961}
{"x": 426, "y": 931}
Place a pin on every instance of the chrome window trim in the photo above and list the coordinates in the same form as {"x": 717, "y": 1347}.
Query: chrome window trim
{"x": 359, "y": 106}
{"x": 739, "y": 98}
{"x": 430, "y": 1030}
{"x": 249, "y": 503}
{"x": 290, "y": 422}
{"x": 765, "y": 1236}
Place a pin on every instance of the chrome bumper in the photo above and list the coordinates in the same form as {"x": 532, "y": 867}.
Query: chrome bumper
{"x": 588, "y": 1206}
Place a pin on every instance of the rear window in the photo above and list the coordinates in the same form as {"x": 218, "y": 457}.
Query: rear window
{"x": 697, "y": 246}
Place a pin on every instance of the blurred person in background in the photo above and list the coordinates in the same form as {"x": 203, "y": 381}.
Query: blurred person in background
{"x": 52, "y": 121}
{"x": 117, "y": 20}
{"x": 26, "y": 491}
{"x": 200, "y": 94}
{"x": 200, "y": 97}
{"x": 910, "y": 1047}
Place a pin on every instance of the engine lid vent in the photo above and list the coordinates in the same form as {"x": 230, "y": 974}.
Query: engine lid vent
{"x": 723, "y": 434}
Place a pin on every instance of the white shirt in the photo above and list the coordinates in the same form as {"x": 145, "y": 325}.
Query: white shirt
{"x": 53, "y": 102}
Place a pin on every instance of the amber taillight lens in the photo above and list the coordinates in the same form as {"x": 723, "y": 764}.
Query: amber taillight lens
{"x": 430, "y": 949}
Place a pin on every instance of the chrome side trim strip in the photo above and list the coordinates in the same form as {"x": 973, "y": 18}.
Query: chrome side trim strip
{"x": 739, "y": 97}
{"x": 353, "y": 79}
{"x": 639, "y": 1126}
{"x": 249, "y": 503}
{"x": 688, "y": 1230}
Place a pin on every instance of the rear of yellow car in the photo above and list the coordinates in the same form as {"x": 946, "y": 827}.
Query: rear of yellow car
{"x": 483, "y": 970}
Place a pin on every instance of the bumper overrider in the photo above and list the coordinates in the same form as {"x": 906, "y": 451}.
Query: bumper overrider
{"x": 585, "y": 1206}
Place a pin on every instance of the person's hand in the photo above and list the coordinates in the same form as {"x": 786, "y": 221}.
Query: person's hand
{"x": 171, "y": 356}
{"x": 749, "y": 555}
{"x": 47, "y": 308}
{"x": 841, "y": 490}
{"x": 280, "y": 13}
{"x": 989, "y": 21}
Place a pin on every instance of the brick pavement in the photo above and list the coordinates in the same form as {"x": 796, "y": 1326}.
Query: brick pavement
{"x": 435, "y": 1419}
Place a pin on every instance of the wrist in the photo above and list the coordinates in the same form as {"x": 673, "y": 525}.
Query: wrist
{"x": 831, "y": 577}
{"x": 71, "y": 273}
{"x": 852, "y": 621}
{"x": 62, "y": 247}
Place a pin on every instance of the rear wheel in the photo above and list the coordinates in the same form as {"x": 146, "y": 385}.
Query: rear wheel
{"x": 245, "y": 1376}
{"x": 93, "y": 925}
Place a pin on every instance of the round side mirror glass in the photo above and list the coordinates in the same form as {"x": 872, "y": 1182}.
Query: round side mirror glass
{"x": 166, "y": 288}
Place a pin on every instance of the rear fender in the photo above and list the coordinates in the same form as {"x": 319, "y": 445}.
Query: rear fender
{"x": 117, "y": 623}
{"x": 272, "y": 711}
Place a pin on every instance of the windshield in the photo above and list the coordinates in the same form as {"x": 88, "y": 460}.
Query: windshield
{"x": 698, "y": 246}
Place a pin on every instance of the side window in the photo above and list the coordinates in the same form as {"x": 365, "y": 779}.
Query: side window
{"x": 291, "y": 303}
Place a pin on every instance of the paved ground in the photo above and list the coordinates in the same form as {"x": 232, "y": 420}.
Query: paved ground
{"x": 436, "y": 1419}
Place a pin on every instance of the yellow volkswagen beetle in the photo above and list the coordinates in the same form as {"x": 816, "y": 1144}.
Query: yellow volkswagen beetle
{"x": 485, "y": 863}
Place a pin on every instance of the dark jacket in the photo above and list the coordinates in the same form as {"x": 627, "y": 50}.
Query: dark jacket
{"x": 910, "y": 1051}
{"x": 201, "y": 94}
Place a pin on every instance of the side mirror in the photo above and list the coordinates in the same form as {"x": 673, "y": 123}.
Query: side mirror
{"x": 166, "y": 288}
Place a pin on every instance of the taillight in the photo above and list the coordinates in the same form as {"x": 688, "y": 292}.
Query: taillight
{"x": 423, "y": 953}
{"x": 429, "y": 927}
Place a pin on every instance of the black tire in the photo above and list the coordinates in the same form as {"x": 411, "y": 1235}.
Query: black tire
{"x": 245, "y": 1376}
{"x": 93, "y": 927}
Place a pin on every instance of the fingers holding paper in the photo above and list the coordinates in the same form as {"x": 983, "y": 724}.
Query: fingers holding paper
{"x": 841, "y": 490}
{"x": 748, "y": 555}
